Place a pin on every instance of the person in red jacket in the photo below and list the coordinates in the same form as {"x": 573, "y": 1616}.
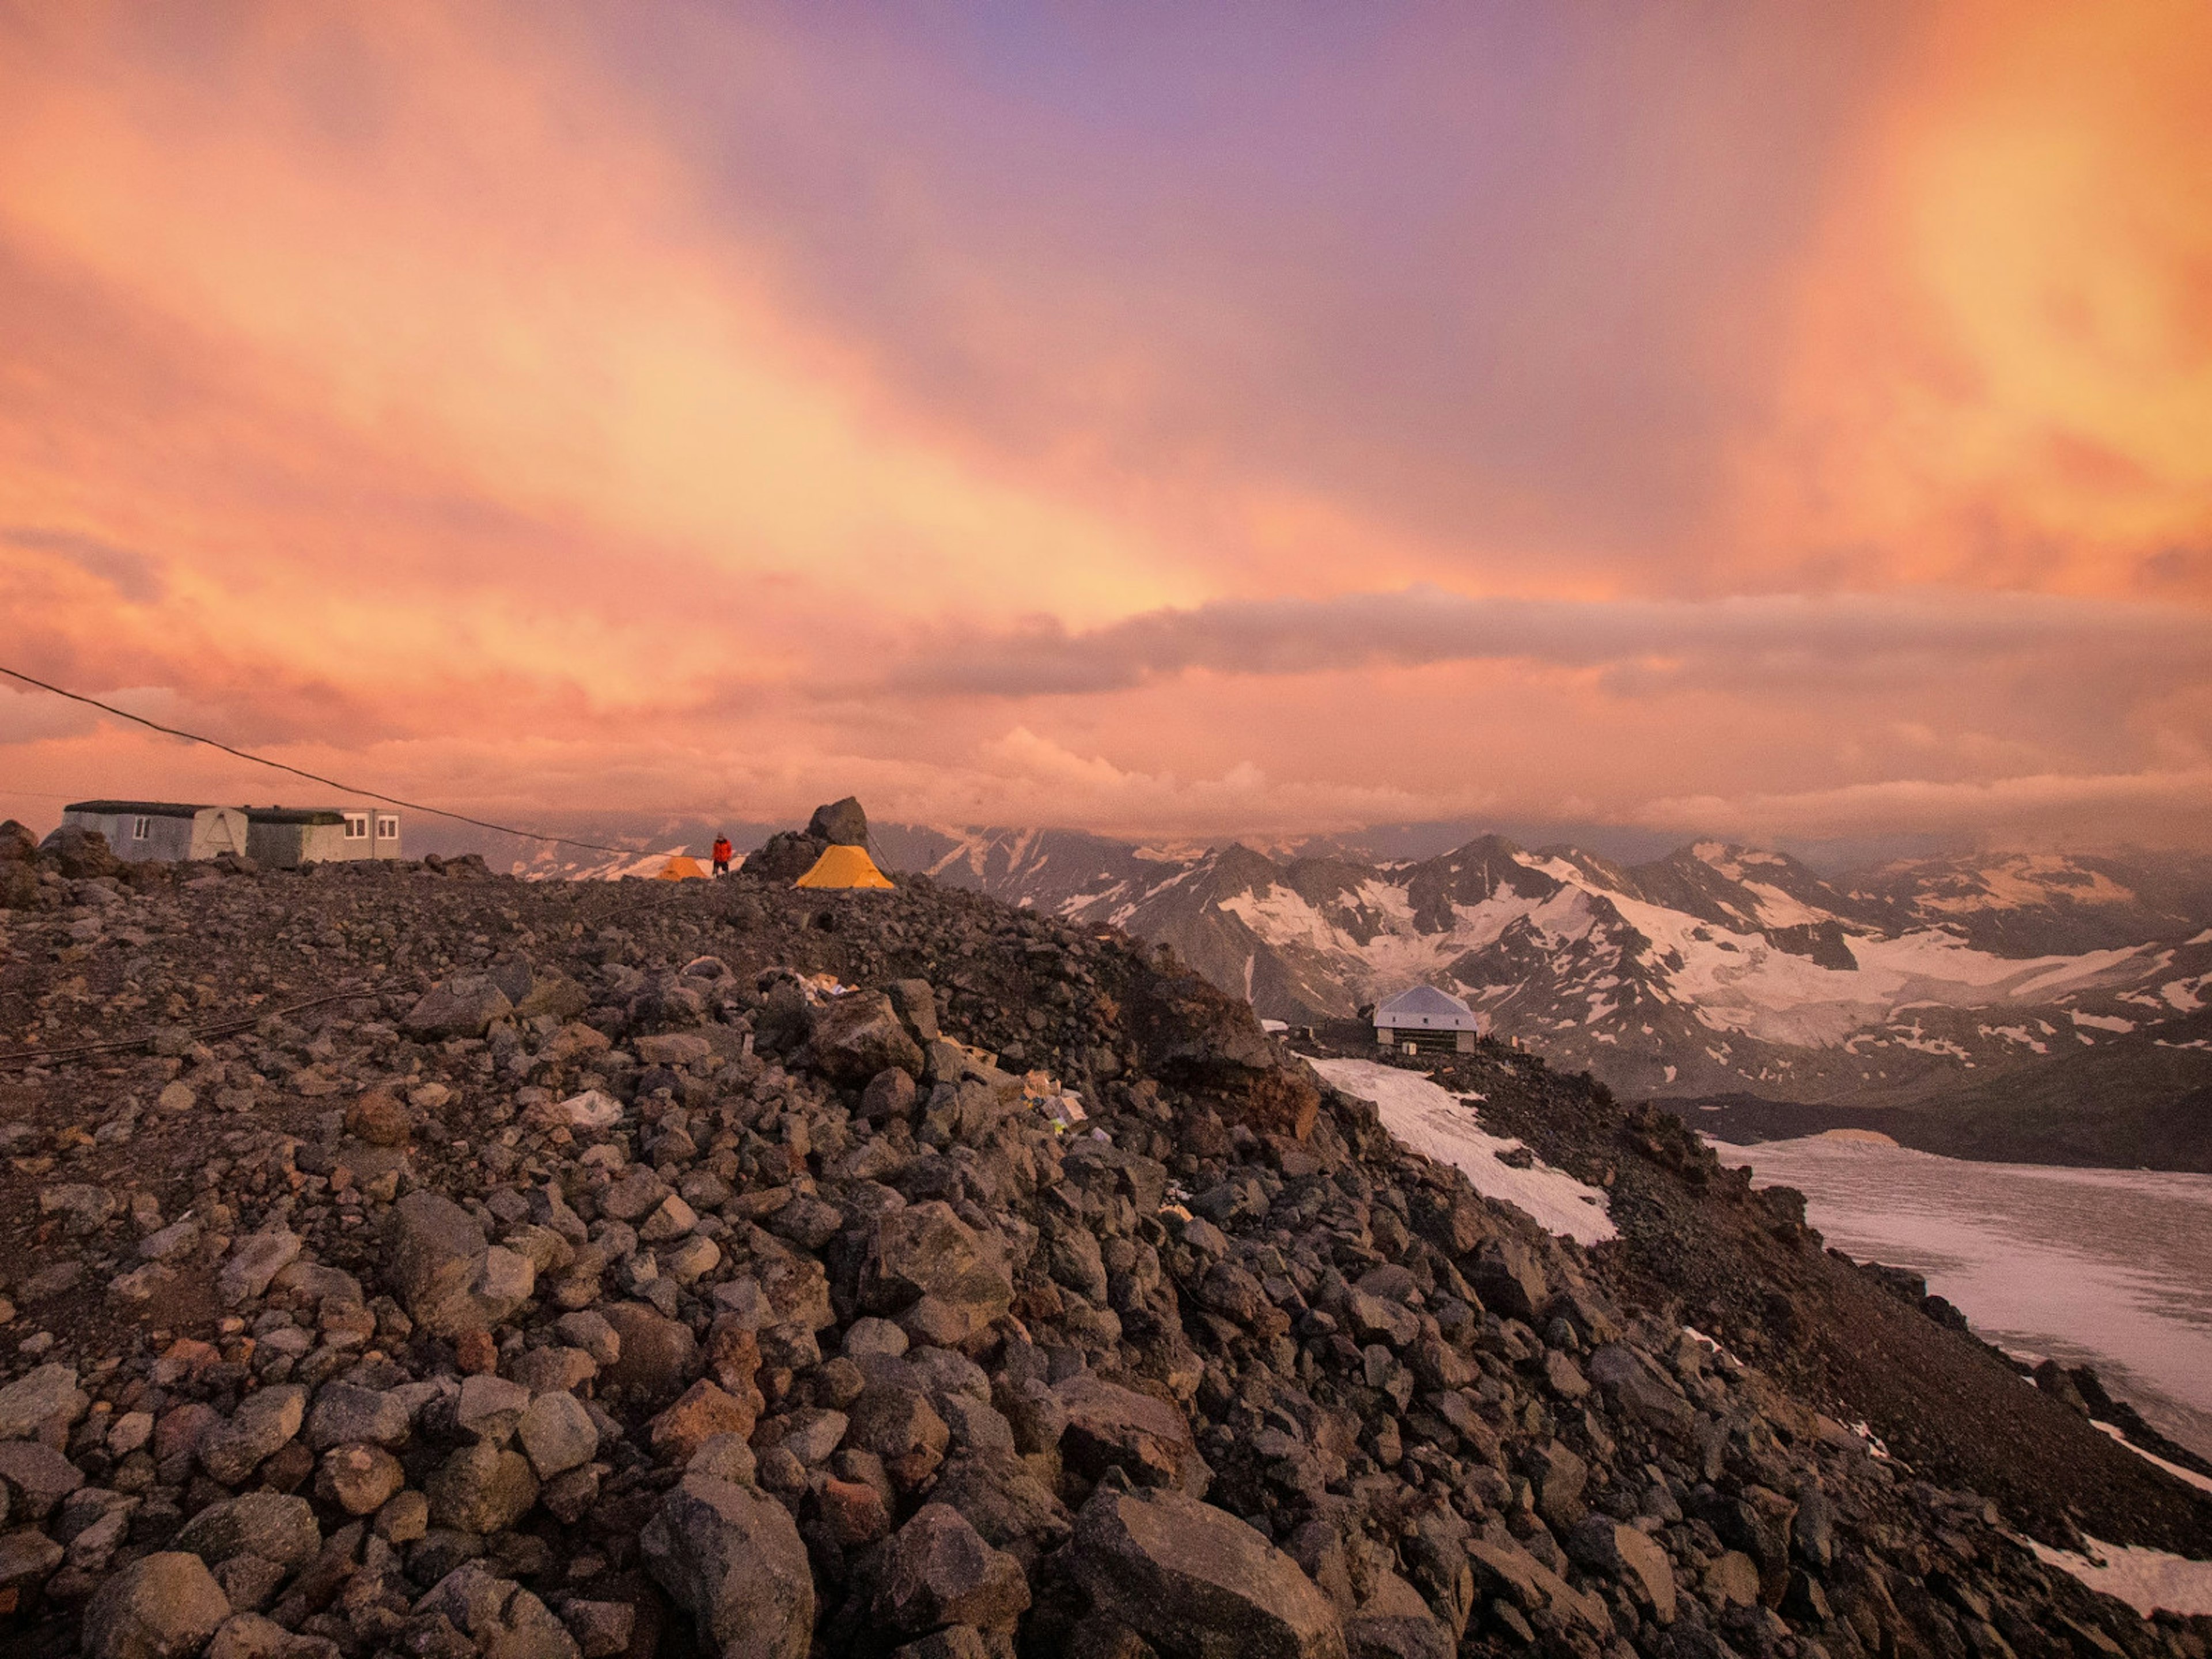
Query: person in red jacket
{"x": 722, "y": 855}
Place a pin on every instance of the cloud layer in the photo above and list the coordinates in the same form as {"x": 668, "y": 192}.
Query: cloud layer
{"x": 1751, "y": 640}
{"x": 1175, "y": 423}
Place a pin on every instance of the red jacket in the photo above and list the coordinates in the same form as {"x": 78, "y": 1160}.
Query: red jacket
{"x": 721, "y": 852}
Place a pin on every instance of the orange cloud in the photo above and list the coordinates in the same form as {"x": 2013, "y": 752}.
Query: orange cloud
{"x": 544, "y": 412}
{"x": 452, "y": 245}
{"x": 2004, "y": 368}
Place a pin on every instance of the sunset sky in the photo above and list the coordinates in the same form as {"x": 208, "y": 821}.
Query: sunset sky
{"x": 1781, "y": 422}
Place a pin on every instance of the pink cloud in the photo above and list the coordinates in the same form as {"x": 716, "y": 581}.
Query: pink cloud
{"x": 1196, "y": 426}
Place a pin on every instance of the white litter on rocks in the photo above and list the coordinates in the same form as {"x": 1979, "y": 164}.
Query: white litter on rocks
{"x": 1874, "y": 1442}
{"x": 1430, "y": 1120}
{"x": 594, "y": 1108}
{"x": 1697, "y": 1335}
{"x": 2148, "y": 1581}
{"x": 1061, "y": 1107}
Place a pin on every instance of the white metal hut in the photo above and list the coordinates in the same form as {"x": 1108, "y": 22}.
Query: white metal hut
{"x": 1423, "y": 1015}
{"x": 172, "y": 831}
{"x": 286, "y": 837}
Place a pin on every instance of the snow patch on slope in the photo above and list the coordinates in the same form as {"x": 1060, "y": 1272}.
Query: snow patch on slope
{"x": 1281, "y": 916}
{"x": 2147, "y": 1580}
{"x": 1438, "y": 1124}
{"x": 2183, "y": 994}
{"x": 2103, "y": 1022}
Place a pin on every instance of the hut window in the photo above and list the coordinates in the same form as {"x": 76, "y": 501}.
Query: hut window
{"x": 356, "y": 826}
{"x": 142, "y": 829}
{"x": 387, "y": 829}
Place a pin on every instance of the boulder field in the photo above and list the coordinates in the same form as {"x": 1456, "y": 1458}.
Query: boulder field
{"x": 408, "y": 1261}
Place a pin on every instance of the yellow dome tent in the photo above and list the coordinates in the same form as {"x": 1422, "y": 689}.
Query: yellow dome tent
{"x": 844, "y": 866}
{"x": 680, "y": 868}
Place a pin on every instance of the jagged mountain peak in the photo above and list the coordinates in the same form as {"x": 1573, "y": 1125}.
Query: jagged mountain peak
{"x": 1741, "y": 887}
{"x": 1238, "y": 867}
{"x": 1486, "y": 846}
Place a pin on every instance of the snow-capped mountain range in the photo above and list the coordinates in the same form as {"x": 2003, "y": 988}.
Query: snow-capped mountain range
{"x": 1715, "y": 970}
{"x": 2072, "y": 990}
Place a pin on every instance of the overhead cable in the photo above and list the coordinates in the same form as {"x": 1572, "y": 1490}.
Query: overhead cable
{"x": 314, "y": 777}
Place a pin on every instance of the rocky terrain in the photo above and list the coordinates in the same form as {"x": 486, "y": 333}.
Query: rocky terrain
{"x": 409, "y": 1260}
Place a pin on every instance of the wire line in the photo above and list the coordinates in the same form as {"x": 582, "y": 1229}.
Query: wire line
{"x": 232, "y": 1027}
{"x": 313, "y": 777}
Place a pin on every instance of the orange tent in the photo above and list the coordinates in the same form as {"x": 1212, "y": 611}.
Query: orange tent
{"x": 844, "y": 866}
{"x": 680, "y": 868}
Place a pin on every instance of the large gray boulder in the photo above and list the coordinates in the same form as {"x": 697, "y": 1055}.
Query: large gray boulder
{"x": 1393, "y": 1622}
{"x": 552, "y": 992}
{"x": 463, "y": 1006}
{"x": 840, "y": 823}
{"x": 38, "y": 1475}
{"x": 272, "y": 1525}
{"x": 557, "y": 1434}
{"x": 506, "y": 1621}
{"x": 257, "y": 1260}
{"x": 49, "y": 1392}
{"x": 84, "y": 1208}
{"x": 481, "y": 1489}
{"x": 1504, "y": 1571}
{"x": 783, "y": 858}
{"x": 1001, "y": 1498}
{"x": 657, "y": 1357}
{"x": 28, "y": 1558}
{"x": 916, "y": 1002}
{"x": 897, "y": 1425}
{"x": 1112, "y": 1427}
{"x": 1197, "y": 1582}
{"x": 449, "y": 1280}
{"x": 436, "y": 1251}
{"x": 859, "y": 1035}
{"x": 733, "y": 1559}
{"x": 19, "y": 884}
{"x": 232, "y": 1450}
{"x": 1639, "y": 1390}
{"x": 81, "y": 853}
{"x": 925, "y": 1250}
{"x": 1509, "y": 1279}
{"x": 937, "y": 1569}
{"x": 160, "y": 1607}
{"x": 345, "y": 1413}
{"x": 1634, "y": 1559}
